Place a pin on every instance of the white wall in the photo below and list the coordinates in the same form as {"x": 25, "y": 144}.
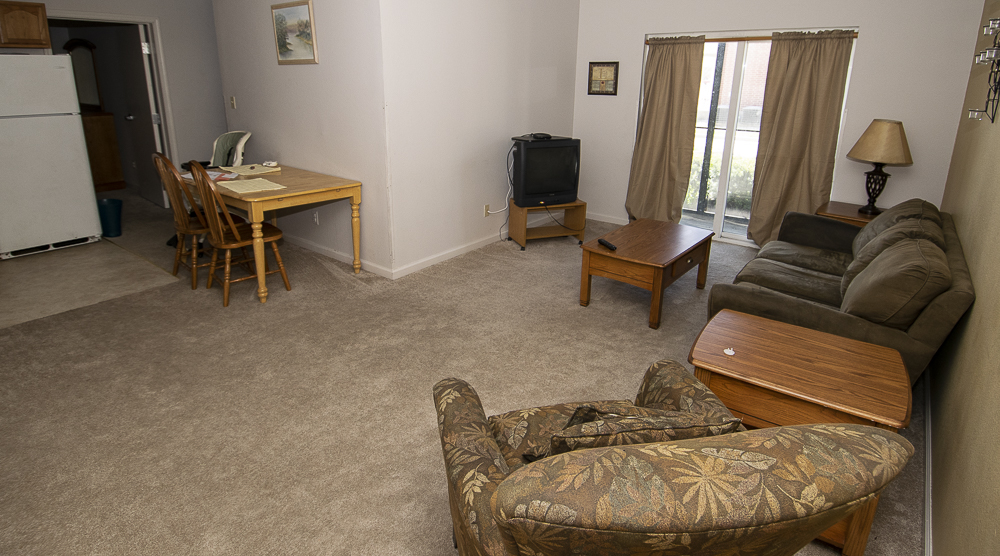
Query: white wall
{"x": 461, "y": 79}
{"x": 911, "y": 64}
{"x": 326, "y": 117}
{"x": 187, "y": 45}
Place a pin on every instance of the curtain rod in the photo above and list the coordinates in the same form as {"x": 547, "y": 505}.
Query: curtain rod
{"x": 729, "y": 39}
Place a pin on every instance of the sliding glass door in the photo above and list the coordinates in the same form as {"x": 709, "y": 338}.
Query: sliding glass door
{"x": 725, "y": 150}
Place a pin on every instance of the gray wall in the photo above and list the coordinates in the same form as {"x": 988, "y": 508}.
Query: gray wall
{"x": 964, "y": 381}
{"x": 190, "y": 57}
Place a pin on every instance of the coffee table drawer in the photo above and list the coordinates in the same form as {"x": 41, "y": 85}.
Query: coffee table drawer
{"x": 689, "y": 261}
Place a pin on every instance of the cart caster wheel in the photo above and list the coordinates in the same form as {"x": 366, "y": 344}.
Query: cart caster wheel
{"x": 522, "y": 249}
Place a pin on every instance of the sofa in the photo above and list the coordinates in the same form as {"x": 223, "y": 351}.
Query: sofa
{"x": 901, "y": 281}
{"x": 671, "y": 473}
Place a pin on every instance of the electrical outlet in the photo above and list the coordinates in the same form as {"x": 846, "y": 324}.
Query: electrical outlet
{"x": 486, "y": 211}
{"x": 232, "y": 102}
{"x": 316, "y": 217}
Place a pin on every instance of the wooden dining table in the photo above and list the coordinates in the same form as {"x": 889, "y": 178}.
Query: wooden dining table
{"x": 301, "y": 187}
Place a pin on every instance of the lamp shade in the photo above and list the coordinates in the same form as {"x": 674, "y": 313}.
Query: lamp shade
{"x": 884, "y": 142}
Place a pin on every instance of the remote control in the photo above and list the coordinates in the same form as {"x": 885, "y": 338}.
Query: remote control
{"x": 607, "y": 244}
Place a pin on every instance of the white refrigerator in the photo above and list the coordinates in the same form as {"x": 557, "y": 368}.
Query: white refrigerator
{"x": 47, "y": 196}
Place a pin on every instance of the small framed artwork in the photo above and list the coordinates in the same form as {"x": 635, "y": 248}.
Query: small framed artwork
{"x": 295, "y": 32}
{"x": 602, "y": 79}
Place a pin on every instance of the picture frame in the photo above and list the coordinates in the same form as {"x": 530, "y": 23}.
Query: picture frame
{"x": 602, "y": 79}
{"x": 295, "y": 32}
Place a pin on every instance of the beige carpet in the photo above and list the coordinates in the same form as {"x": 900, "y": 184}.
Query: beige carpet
{"x": 36, "y": 286}
{"x": 160, "y": 422}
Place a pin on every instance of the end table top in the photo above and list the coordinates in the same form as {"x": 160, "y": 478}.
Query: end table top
{"x": 861, "y": 379}
{"x": 650, "y": 242}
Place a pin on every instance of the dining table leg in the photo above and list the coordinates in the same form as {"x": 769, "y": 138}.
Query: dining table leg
{"x": 356, "y": 230}
{"x": 256, "y": 224}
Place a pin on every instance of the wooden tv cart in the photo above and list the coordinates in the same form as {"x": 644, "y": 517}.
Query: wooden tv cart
{"x": 574, "y": 220}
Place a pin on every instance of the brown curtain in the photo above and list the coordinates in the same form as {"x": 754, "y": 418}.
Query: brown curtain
{"x": 800, "y": 123}
{"x": 664, "y": 142}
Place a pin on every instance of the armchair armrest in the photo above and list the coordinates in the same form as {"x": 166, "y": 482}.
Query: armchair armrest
{"x": 817, "y": 231}
{"x": 669, "y": 386}
{"x": 762, "y": 489}
{"x": 474, "y": 464}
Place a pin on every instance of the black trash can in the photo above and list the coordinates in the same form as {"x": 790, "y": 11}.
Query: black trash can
{"x": 110, "y": 211}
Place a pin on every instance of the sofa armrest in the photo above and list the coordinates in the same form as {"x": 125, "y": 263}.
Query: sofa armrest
{"x": 474, "y": 464}
{"x": 776, "y": 487}
{"x": 669, "y": 386}
{"x": 817, "y": 231}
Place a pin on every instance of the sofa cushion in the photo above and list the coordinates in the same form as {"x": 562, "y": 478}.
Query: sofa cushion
{"x": 913, "y": 228}
{"x": 529, "y": 431}
{"x": 622, "y": 430}
{"x": 914, "y": 208}
{"x": 802, "y": 256}
{"x": 899, "y": 283}
{"x": 792, "y": 280}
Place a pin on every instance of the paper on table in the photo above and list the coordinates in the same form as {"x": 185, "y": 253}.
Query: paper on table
{"x": 251, "y": 169}
{"x": 251, "y": 186}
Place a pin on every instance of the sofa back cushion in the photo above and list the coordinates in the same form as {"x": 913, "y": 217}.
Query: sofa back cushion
{"x": 913, "y": 228}
{"x": 898, "y": 284}
{"x": 914, "y": 208}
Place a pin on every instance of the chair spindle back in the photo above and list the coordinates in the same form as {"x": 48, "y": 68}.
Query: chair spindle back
{"x": 215, "y": 207}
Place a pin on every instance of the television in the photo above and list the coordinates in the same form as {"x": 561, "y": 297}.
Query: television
{"x": 545, "y": 170}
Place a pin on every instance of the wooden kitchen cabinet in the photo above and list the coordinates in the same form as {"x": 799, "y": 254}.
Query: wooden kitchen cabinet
{"x": 23, "y": 25}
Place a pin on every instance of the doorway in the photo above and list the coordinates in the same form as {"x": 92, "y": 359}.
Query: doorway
{"x": 129, "y": 85}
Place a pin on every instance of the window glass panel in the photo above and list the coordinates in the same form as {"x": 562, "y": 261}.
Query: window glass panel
{"x": 744, "y": 158}
{"x": 713, "y": 101}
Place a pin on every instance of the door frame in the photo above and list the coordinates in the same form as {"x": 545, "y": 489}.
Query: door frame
{"x": 157, "y": 86}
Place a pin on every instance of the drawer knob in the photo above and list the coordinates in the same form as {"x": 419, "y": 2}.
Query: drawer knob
{"x": 689, "y": 261}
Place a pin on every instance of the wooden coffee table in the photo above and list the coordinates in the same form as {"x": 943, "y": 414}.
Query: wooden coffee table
{"x": 651, "y": 254}
{"x": 772, "y": 374}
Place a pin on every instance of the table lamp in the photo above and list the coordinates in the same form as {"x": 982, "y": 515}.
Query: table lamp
{"x": 884, "y": 142}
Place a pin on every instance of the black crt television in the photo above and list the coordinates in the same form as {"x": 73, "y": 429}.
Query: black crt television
{"x": 545, "y": 170}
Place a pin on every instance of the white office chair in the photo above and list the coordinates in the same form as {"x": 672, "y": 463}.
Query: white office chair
{"x": 228, "y": 148}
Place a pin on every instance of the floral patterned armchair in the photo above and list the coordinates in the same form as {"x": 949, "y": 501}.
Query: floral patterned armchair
{"x": 615, "y": 477}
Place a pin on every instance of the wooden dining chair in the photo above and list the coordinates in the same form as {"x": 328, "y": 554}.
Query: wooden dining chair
{"x": 226, "y": 234}
{"x": 189, "y": 218}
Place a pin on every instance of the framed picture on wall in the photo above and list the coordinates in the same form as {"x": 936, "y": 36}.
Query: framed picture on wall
{"x": 295, "y": 32}
{"x": 602, "y": 79}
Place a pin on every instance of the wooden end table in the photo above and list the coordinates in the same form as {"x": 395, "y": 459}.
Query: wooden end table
{"x": 574, "y": 221}
{"x": 780, "y": 374}
{"x": 845, "y": 212}
{"x": 650, "y": 254}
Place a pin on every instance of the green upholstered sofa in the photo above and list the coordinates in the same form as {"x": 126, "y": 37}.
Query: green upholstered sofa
{"x": 901, "y": 281}
{"x": 514, "y": 489}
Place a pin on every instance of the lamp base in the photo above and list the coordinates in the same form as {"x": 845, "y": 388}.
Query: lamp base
{"x": 874, "y": 184}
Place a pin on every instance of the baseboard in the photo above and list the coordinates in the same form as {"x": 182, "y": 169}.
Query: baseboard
{"x": 445, "y": 255}
{"x": 928, "y": 476}
{"x": 342, "y": 257}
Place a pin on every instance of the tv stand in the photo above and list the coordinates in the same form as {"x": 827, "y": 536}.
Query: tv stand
{"x": 574, "y": 220}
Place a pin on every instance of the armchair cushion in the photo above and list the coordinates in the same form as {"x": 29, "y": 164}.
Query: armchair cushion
{"x": 618, "y": 431}
{"x": 899, "y": 283}
{"x": 528, "y": 432}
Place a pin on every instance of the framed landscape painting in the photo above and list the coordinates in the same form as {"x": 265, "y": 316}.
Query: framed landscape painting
{"x": 295, "y": 32}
